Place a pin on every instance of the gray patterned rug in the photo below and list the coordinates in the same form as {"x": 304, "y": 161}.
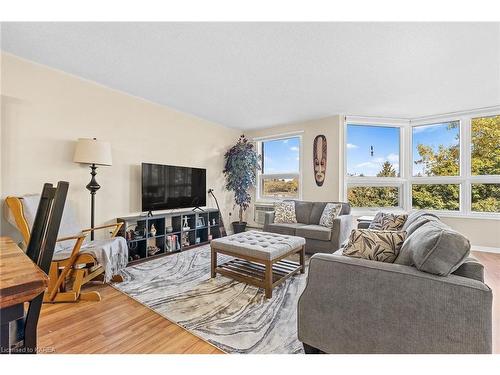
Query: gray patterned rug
{"x": 231, "y": 315}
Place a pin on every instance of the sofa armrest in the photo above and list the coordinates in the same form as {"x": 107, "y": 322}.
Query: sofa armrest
{"x": 341, "y": 230}
{"x": 269, "y": 217}
{"x": 353, "y": 305}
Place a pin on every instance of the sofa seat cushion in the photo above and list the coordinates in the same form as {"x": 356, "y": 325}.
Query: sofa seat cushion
{"x": 288, "y": 229}
{"x": 382, "y": 246}
{"x": 314, "y": 232}
{"x": 434, "y": 248}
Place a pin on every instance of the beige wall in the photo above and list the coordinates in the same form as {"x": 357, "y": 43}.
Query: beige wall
{"x": 480, "y": 232}
{"x": 44, "y": 111}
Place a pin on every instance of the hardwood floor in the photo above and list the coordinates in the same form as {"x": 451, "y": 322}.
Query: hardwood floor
{"x": 118, "y": 324}
{"x": 491, "y": 262}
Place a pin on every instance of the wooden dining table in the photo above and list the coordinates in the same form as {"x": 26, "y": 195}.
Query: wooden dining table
{"x": 20, "y": 281}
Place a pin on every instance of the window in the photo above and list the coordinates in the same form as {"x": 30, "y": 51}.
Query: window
{"x": 485, "y": 164}
{"x": 485, "y": 198}
{"x": 372, "y": 165}
{"x": 436, "y": 149}
{"x": 448, "y": 164}
{"x": 373, "y": 196}
{"x": 436, "y": 196}
{"x": 485, "y": 146}
{"x": 280, "y": 175}
{"x": 372, "y": 151}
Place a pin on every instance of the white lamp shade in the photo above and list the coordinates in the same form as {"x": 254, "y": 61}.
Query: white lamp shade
{"x": 92, "y": 151}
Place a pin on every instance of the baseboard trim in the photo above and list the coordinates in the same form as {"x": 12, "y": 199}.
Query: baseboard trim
{"x": 486, "y": 249}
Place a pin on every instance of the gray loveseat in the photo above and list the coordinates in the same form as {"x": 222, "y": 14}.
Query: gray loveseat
{"x": 353, "y": 305}
{"x": 318, "y": 238}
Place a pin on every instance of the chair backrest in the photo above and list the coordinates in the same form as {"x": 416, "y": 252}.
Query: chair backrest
{"x": 22, "y": 212}
{"x": 41, "y": 245}
{"x": 46, "y": 224}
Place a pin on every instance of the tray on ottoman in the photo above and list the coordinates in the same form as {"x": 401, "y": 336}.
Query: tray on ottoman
{"x": 259, "y": 258}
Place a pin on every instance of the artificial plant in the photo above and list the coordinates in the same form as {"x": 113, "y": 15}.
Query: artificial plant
{"x": 241, "y": 163}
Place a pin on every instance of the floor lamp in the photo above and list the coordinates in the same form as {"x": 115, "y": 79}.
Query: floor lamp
{"x": 94, "y": 153}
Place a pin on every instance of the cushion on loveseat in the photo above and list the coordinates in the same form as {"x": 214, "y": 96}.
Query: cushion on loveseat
{"x": 434, "y": 248}
{"x": 288, "y": 229}
{"x": 379, "y": 245}
{"x": 303, "y": 211}
{"x": 414, "y": 216}
{"x": 388, "y": 221}
{"x": 318, "y": 208}
{"x": 419, "y": 221}
{"x": 314, "y": 232}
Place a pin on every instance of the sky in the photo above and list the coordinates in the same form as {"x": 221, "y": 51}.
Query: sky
{"x": 385, "y": 142}
{"x": 281, "y": 156}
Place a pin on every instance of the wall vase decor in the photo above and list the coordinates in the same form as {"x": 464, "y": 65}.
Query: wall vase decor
{"x": 319, "y": 159}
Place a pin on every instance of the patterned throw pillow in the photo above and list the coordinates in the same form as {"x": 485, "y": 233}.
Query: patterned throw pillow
{"x": 330, "y": 212}
{"x": 285, "y": 213}
{"x": 388, "y": 221}
{"x": 382, "y": 246}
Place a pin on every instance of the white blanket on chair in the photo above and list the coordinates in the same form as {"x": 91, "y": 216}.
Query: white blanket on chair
{"x": 110, "y": 253}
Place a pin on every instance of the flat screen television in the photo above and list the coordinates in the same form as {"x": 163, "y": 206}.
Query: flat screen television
{"x": 166, "y": 187}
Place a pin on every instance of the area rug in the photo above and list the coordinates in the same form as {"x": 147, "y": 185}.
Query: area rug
{"x": 231, "y": 315}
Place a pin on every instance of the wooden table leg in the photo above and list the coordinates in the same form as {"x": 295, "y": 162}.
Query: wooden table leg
{"x": 213, "y": 262}
{"x": 303, "y": 259}
{"x": 268, "y": 280}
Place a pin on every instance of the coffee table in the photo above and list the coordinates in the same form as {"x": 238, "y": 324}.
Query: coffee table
{"x": 258, "y": 258}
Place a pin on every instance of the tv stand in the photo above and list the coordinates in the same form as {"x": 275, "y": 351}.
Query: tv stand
{"x": 149, "y": 214}
{"x": 198, "y": 208}
{"x": 169, "y": 234}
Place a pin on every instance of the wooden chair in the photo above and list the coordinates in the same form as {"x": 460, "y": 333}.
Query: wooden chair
{"x": 77, "y": 267}
{"x": 40, "y": 250}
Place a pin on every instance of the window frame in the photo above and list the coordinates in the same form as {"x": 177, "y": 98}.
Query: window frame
{"x": 465, "y": 179}
{"x": 260, "y": 173}
{"x": 374, "y": 181}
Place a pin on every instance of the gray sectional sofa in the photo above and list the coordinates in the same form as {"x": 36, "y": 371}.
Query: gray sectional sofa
{"x": 319, "y": 239}
{"x": 353, "y": 305}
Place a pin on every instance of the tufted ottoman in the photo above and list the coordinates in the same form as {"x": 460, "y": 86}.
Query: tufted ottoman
{"x": 259, "y": 258}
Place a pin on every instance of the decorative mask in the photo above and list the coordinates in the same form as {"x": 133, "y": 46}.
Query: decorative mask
{"x": 319, "y": 159}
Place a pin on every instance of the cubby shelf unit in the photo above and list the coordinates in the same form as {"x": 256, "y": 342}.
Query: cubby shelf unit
{"x": 170, "y": 235}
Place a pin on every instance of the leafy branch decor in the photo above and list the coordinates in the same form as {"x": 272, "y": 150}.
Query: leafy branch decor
{"x": 241, "y": 163}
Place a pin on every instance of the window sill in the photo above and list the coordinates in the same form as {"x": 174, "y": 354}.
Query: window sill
{"x": 459, "y": 215}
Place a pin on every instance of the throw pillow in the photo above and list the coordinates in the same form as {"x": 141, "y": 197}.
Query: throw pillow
{"x": 330, "y": 212}
{"x": 388, "y": 221}
{"x": 285, "y": 213}
{"x": 434, "y": 248}
{"x": 413, "y": 216}
{"x": 382, "y": 246}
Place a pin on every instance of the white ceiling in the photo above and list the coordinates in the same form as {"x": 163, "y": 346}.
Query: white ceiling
{"x": 252, "y": 75}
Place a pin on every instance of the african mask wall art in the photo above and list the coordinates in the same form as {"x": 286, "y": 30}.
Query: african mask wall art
{"x": 319, "y": 159}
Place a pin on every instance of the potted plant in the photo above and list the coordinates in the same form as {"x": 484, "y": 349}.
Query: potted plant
{"x": 241, "y": 163}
